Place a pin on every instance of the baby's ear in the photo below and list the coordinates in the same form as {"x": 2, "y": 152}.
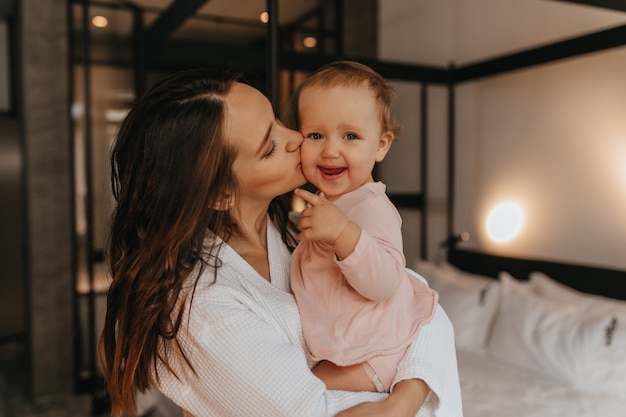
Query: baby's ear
{"x": 384, "y": 143}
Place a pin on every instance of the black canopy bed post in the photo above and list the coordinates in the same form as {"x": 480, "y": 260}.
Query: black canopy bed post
{"x": 451, "y": 156}
{"x": 424, "y": 170}
{"x": 607, "y": 282}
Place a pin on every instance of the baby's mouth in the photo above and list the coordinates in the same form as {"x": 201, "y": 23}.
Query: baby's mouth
{"x": 331, "y": 171}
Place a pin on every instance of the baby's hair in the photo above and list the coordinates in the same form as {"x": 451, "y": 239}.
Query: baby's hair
{"x": 348, "y": 73}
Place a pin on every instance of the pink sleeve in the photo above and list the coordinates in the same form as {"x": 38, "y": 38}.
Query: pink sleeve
{"x": 376, "y": 266}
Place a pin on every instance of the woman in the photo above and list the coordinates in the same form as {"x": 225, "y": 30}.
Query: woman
{"x": 200, "y": 303}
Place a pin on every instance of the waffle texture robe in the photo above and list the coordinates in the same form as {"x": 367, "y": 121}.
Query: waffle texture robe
{"x": 243, "y": 337}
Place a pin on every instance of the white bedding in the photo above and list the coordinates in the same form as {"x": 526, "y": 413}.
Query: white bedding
{"x": 491, "y": 389}
{"x": 534, "y": 348}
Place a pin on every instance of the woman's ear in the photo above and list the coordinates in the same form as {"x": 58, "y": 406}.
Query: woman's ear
{"x": 384, "y": 143}
{"x": 225, "y": 203}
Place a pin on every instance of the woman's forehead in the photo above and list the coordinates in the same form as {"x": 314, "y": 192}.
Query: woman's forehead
{"x": 249, "y": 113}
{"x": 240, "y": 92}
{"x": 244, "y": 101}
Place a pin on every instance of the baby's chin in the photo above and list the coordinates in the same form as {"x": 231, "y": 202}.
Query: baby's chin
{"x": 330, "y": 195}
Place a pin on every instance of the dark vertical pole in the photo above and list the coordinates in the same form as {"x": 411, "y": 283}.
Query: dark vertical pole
{"x": 89, "y": 192}
{"x": 339, "y": 28}
{"x": 424, "y": 170}
{"x": 271, "y": 53}
{"x": 320, "y": 31}
{"x": 75, "y": 302}
{"x": 451, "y": 153}
{"x": 139, "y": 55}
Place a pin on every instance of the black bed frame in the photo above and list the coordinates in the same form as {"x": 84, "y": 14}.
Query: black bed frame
{"x": 603, "y": 281}
{"x": 589, "y": 279}
{"x": 593, "y": 280}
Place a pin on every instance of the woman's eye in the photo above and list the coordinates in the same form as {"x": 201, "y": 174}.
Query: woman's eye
{"x": 271, "y": 151}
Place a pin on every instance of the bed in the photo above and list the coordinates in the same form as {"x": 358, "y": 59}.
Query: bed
{"x": 529, "y": 342}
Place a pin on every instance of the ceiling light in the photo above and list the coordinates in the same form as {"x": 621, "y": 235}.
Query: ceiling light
{"x": 264, "y": 17}
{"x": 100, "y": 21}
{"x": 309, "y": 42}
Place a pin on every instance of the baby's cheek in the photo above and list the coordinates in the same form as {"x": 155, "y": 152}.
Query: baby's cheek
{"x": 308, "y": 162}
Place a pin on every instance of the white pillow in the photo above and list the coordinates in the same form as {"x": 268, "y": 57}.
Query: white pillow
{"x": 469, "y": 300}
{"x": 594, "y": 304}
{"x": 584, "y": 351}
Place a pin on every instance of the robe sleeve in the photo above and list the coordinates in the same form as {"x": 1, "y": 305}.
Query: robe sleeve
{"x": 432, "y": 358}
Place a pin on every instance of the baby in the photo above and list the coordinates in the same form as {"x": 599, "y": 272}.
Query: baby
{"x": 360, "y": 309}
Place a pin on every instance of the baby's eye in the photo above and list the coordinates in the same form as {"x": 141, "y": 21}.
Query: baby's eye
{"x": 314, "y": 136}
{"x": 351, "y": 136}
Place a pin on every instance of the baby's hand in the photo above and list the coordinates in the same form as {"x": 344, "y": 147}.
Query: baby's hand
{"x": 321, "y": 220}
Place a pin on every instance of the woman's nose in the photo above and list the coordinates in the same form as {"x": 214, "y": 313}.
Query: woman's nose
{"x": 294, "y": 140}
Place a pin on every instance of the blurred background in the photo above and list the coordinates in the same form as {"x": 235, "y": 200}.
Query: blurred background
{"x": 70, "y": 69}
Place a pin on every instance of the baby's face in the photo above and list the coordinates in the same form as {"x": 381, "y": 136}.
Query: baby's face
{"x": 343, "y": 137}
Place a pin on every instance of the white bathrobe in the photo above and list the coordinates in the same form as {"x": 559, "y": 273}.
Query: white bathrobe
{"x": 243, "y": 337}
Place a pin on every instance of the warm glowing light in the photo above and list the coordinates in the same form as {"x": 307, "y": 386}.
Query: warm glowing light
{"x": 100, "y": 21}
{"x": 309, "y": 42}
{"x": 505, "y": 221}
{"x": 264, "y": 17}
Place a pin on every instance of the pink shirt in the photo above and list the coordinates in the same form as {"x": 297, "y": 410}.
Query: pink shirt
{"x": 366, "y": 304}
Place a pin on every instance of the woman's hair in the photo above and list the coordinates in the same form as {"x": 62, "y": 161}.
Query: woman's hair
{"x": 346, "y": 74}
{"x": 170, "y": 172}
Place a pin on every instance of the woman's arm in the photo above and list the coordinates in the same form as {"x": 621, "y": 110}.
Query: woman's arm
{"x": 427, "y": 380}
{"x": 432, "y": 358}
{"x": 429, "y": 366}
{"x": 406, "y": 400}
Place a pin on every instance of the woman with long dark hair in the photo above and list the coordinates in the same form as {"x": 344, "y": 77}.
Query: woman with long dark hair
{"x": 200, "y": 304}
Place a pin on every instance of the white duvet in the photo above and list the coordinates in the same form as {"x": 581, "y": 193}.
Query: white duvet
{"x": 491, "y": 389}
